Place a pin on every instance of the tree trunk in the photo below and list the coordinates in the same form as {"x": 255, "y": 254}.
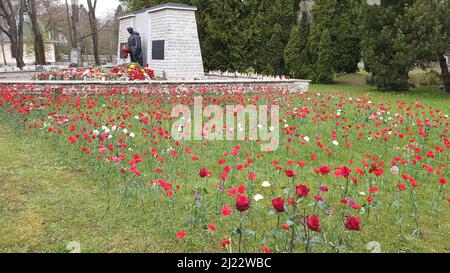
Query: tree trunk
{"x": 444, "y": 72}
{"x": 39, "y": 47}
{"x": 3, "y": 53}
{"x": 13, "y": 15}
{"x": 93, "y": 24}
{"x": 69, "y": 21}
{"x": 76, "y": 31}
{"x": 20, "y": 62}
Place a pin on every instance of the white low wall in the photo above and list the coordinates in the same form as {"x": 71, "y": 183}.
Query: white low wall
{"x": 161, "y": 86}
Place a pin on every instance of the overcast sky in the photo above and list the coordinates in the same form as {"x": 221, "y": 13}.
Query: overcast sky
{"x": 103, "y": 6}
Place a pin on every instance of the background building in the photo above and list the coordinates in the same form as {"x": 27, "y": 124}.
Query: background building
{"x": 6, "y": 57}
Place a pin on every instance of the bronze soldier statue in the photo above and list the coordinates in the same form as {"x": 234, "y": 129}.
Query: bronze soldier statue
{"x": 134, "y": 46}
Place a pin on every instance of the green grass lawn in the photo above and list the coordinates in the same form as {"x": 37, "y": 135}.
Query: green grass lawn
{"x": 355, "y": 85}
{"x": 46, "y": 202}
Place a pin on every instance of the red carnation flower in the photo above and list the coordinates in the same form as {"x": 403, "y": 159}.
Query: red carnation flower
{"x": 324, "y": 170}
{"x": 352, "y": 223}
{"x": 204, "y": 173}
{"x": 290, "y": 173}
{"x": 181, "y": 234}
{"x": 302, "y": 190}
{"x": 313, "y": 223}
{"x": 224, "y": 243}
{"x": 266, "y": 249}
{"x": 251, "y": 176}
{"x": 242, "y": 203}
{"x": 401, "y": 186}
{"x": 212, "y": 227}
{"x": 226, "y": 211}
{"x": 343, "y": 171}
{"x": 278, "y": 204}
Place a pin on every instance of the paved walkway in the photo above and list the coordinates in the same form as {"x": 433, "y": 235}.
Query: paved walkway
{"x": 16, "y": 76}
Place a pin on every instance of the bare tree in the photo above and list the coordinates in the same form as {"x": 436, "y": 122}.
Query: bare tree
{"x": 79, "y": 30}
{"x": 39, "y": 47}
{"x": 74, "y": 23}
{"x": 93, "y": 24}
{"x": 69, "y": 21}
{"x": 12, "y": 12}
{"x": 3, "y": 48}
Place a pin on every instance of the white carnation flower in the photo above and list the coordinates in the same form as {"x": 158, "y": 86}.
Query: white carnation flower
{"x": 258, "y": 197}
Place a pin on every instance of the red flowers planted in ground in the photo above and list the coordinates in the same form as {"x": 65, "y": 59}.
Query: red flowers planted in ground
{"x": 401, "y": 186}
{"x": 225, "y": 243}
{"x": 313, "y": 223}
{"x": 352, "y": 223}
{"x": 324, "y": 170}
{"x": 278, "y": 204}
{"x": 242, "y": 203}
{"x": 302, "y": 190}
{"x": 181, "y": 234}
{"x": 251, "y": 176}
{"x": 204, "y": 173}
{"x": 266, "y": 249}
{"x": 212, "y": 227}
{"x": 290, "y": 173}
{"x": 226, "y": 211}
{"x": 342, "y": 172}
{"x": 125, "y": 132}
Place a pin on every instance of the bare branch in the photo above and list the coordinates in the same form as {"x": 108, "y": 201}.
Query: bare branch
{"x": 98, "y": 30}
{"x": 5, "y": 31}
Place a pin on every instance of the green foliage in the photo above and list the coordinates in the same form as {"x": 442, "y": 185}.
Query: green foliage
{"x": 297, "y": 54}
{"x": 329, "y": 44}
{"x": 387, "y": 82}
{"x": 293, "y": 51}
{"x": 323, "y": 67}
{"x": 431, "y": 77}
{"x": 269, "y": 21}
{"x": 133, "y": 5}
{"x": 274, "y": 45}
{"x": 427, "y": 24}
{"x": 223, "y": 35}
{"x": 236, "y": 35}
{"x": 346, "y": 37}
{"x": 320, "y": 40}
{"x": 386, "y": 52}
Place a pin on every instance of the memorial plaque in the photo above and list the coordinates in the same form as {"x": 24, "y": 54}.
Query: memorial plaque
{"x": 158, "y": 50}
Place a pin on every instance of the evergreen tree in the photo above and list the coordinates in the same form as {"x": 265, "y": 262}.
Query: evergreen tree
{"x": 238, "y": 35}
{"x": 386, "y": 52}
{"x": 223, "y": 40}
{"x": 275, "y": 64}
{"x": 323, "y": 69}
{"x": 297, "y": 54}
{"x": 274, "y": 19}
{"x": 293, "y": 51}
{"x": 346, "y": 37}
{"x": 320, "y": 42}
{"x": 427, "y": 23}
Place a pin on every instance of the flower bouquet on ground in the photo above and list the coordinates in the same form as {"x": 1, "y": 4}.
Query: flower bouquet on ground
{"x": 123, "y": 72}
{"x": 72, "y": 74}
{"x": 131, "y": 72}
